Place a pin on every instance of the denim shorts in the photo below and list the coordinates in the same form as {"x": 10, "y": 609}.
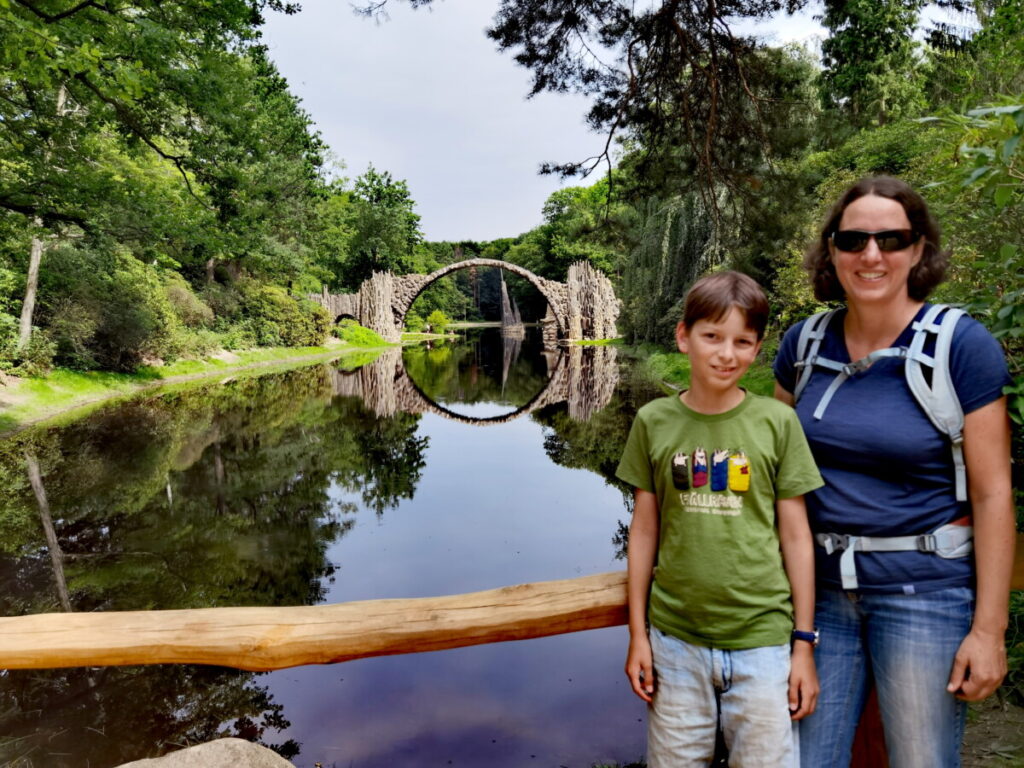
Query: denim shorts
{"x": 907, "y": 644}
{"x": 698, "y": 689}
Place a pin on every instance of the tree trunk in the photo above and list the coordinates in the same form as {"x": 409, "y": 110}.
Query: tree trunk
{"x": 56, "y": 553}
{"x": 35, "y": 257}
{"x": 28, "y": 306}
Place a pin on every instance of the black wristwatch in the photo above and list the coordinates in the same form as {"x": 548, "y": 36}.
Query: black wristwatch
{"x": 808, "y": 637}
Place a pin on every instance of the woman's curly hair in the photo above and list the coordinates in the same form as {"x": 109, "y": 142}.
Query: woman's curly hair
{"x": 924, "y": 276}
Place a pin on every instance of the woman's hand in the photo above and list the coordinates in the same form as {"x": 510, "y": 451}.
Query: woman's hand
{"x": 640, "y": 667}
{"x": 979, "y": 666}
{"x": 803, "y": 681}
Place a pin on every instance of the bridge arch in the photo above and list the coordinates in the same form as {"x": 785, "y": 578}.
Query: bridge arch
{"x": 583, "y": 307}
{"x": 408, "y": 287}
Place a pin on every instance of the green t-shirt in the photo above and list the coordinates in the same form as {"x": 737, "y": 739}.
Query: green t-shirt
{"x": 719, "y": 579}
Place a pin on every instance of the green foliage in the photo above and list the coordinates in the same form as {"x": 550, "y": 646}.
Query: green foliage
{"x": 871, "y": 73}
{"x": 34, "y": 359}
{"x": 384, "y": 228}
{"x": 106, "y": 309}
{"x": 353, "y": 333}
{"x": 438, "y": 321}
{"x": 273, "y": 318}
{"x": 993, "y": 182}
{"x": 677, "y": 244}
{"x": 413, "y": 322}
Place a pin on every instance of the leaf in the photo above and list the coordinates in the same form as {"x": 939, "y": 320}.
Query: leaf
{"x": 1009, "y": 109}
{"x": 976, "y": 174}
{"x": 1010, "y": 146}
{"x": 1007, "y": 251}
{"x": 1002, "y": 195}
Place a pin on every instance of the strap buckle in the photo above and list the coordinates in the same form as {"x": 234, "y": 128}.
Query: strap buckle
{"x": 927, "y": 542}
{"x": 833, "y": 542}
{"x": 856, "y": 367}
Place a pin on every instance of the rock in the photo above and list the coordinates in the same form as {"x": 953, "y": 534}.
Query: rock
{"x": 222, "y": 753}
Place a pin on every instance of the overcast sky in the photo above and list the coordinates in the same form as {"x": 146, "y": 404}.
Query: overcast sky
{"x": 426, "y": 96}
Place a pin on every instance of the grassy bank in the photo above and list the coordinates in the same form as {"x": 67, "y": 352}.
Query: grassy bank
{"x": 674, "y": 368}
{"x": 67, "y": 393}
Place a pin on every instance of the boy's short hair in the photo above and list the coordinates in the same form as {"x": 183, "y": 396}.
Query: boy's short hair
{"x": 711, "y": 298}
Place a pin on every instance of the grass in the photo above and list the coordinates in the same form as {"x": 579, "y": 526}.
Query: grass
{"x": 600, "y": 342}
{"x": 72, "y": 393}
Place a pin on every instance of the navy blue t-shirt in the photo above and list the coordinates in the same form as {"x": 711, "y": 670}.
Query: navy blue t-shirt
{"x": 888, "y": 471}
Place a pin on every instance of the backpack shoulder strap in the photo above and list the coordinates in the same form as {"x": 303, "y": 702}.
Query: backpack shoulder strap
{"x": 807, "y": 345}
{"x": 938, "y": 398}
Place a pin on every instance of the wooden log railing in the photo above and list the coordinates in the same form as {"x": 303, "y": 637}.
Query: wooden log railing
{"x": 262, "y": 639}
{"x": 275, "y": 638}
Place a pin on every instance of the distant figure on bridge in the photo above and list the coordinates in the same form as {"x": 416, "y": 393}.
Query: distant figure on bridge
{"x": 734, "y": 555}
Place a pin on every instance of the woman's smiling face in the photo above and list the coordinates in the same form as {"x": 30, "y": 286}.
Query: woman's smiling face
{"x": 872, "y": 276}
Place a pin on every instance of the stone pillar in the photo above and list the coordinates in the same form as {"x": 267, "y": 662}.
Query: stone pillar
{"x": 376, "y": 296}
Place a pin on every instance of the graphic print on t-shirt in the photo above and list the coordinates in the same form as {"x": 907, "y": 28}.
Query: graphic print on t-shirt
{"x": 681, "y": 471}
{"x": 739, "y": 472}
{"x": 700, "y": 468}
{"x": 730, "y": 471}
{"x": 719, "y": 470}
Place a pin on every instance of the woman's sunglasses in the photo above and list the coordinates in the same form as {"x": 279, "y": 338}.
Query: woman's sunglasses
{"x": 855, "y": 240}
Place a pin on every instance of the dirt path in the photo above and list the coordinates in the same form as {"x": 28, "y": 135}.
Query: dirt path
{"x": 994, "y": 736}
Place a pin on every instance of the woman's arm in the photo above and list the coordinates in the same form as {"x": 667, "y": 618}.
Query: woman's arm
{"x": 641, "y": 552}
{"x": 798, "y": 559}
{"x": 980, "y": 663}
{"x": 782, "y": 395}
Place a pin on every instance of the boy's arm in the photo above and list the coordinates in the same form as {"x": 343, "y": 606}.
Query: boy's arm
{"x": 641, "y": 553}
{"x": 798, "y": 558}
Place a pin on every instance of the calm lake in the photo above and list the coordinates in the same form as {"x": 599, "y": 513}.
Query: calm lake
{"x": 428, "y": 471}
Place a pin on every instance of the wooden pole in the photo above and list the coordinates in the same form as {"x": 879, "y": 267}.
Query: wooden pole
{"x": 261, "y": 639}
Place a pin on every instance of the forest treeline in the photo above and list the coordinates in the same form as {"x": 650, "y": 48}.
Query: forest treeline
{"x": 163, "y": 194}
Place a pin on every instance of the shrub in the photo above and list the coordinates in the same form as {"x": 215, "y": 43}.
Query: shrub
{"x": 189, "y": 308}
{"x": 350, "y": 331}
{"x": 106, "y": 309}
{"x": 273, "y": 318}
{"x": 413, "y": 322}
{"x": 35, "y": 359}
{"x": 438, "y": 321}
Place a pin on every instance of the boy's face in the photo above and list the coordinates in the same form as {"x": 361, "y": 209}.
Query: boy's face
{"x": 720, "y": 351}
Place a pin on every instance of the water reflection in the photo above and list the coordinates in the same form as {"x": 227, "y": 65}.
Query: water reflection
{"x": 429, "y": 379}
{"x": 324, "y": 485}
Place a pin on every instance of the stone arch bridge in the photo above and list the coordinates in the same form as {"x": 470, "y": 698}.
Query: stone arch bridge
{"x": 583, "y": 377}
{"x": 583, "y": 307}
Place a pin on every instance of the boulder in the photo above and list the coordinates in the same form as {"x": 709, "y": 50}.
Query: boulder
{"x": 222, "y": 753}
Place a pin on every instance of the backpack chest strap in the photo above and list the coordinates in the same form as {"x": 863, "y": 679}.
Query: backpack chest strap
{"x": 949, "y": 541}
{"x": 846, "y": 370}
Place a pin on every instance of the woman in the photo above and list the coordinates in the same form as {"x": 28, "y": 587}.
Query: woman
{"x": 928, "y": 629}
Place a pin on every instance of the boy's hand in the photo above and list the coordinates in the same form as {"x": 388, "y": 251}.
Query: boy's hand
{"x": 803, "y": 681}
{"x": 640, "y": 667}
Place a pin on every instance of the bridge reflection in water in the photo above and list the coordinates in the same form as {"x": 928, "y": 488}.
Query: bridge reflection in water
{"x": 582, "y": 376}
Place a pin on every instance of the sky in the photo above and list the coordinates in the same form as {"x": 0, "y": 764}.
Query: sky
{"x": 426, "y": 96}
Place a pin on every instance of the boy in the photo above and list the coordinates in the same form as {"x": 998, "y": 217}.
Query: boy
{"x": 720, "y": 475}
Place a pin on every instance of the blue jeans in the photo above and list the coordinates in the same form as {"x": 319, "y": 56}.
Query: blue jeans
{"x": 696, "y": 688}
{"x": 907, "y": 643}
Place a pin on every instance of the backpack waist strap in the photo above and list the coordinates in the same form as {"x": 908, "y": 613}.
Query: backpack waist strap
{"x": 948, "y": 541}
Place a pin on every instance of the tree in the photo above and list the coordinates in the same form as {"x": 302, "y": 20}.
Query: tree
{"x": 871, "y": 70}
{"x": 136, "y": 74}
{"x": 385, "y": 228}
{"x": 671, "y": 76}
